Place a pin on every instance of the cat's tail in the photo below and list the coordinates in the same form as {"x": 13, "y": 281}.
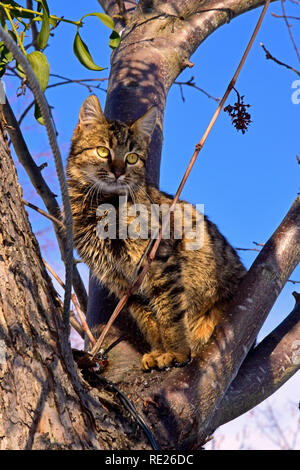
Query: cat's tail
{"x": 203, "y": 329}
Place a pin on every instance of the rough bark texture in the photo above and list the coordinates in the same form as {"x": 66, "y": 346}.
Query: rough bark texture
{"x": 43, "y": 402}
{"x": 268, "y": 367}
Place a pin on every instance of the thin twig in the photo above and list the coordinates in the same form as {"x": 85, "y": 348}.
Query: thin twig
{"x": 66, "y": 81}
{"x": 270, "y": 56}
{"x": 258, "y": 244}
{"x": 15, "y": 30}
{"x": 247, "y": 249}
{"x": 44, "y": 213}
{"x": 74, "y": 300}
{"x": 23, "y": 115}
{"x": 287, "y": 16}
{"x": 74, "y": 322}
{"x": 289, "y": 30}
{"x": 80, "y": 81}
{"x": 192, "y": 84}
{"x": 138, "y": 281}
{"x": 34, "y": 31}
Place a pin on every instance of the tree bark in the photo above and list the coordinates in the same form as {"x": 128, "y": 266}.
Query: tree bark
{"x": 268, "y": 367}
{"x": 44, "y": 404}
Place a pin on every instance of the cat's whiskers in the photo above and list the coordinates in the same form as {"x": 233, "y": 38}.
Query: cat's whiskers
{"x": 140, "y": 188}
{"x": 91, "y": 189}
{"x": 131, "y": 192}
{"x": 99, "y": 190}
{"x": 95, "y": 193}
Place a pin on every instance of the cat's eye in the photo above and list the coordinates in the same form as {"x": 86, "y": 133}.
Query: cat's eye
{"x": 103, "y": 152}
{"x": 132, "y": 158}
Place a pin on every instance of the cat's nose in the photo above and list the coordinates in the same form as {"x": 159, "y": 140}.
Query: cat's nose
{"x": 118, "y": 172}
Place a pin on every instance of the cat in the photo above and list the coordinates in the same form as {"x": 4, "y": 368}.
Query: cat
{"x": 186, "y": 293}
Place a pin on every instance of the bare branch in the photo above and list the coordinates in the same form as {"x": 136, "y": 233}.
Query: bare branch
{"x": 74, "y": 322}
{"x": 83, "y": 81}
{"x": 247, "y": 249}
{"x": 268, "y": 366}
{"x": 289, "y": 30}
{"x": 192, "y": 84}
{"x": 270, "y": 56}
{"x": 196, "y": 22}
{"x": 45, "y": 214}
{"x": 289, "y": 17}
{"x": 74, "y": 300}
{"x": 34, "y": 30}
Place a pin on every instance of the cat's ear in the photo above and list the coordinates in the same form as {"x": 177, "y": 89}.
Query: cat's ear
{"x": 146, "y": 124}
{"x": 91, "y": 111}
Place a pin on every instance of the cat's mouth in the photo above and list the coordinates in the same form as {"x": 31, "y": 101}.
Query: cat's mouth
{"x": 115, "y": 187}
{"x": 108, "y": 185}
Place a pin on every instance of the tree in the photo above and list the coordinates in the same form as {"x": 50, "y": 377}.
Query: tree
{"x": 45, "y": 401}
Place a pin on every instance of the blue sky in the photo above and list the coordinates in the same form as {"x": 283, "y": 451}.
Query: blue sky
{"x": 246, "y": 182}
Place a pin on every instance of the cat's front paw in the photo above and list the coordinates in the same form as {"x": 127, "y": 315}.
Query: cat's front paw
{"x": 149, "y": 360}
{"x": 161, "y": 360}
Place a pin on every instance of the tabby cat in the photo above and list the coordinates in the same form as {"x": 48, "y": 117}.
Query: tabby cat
{"x": 186, "y": 292}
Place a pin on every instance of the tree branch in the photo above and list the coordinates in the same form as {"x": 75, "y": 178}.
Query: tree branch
{"x": 265, "y": 370}
{"x": 289, "y": 30}
{"x": 34, "y": 173}
{"x": 270, "y": 56}
{"x": 34, "y": 30}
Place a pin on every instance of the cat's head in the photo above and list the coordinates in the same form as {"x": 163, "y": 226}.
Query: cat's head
{"x": 109, "y": 155}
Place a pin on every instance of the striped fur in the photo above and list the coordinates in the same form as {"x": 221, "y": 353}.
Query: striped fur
{"x": 186, "y": 293}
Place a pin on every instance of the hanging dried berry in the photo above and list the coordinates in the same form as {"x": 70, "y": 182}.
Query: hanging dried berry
{"x": 238, "y": 113}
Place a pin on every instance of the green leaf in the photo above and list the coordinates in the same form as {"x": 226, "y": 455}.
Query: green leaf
{"x": 40, "y": 66}
{"x": 83, "y": 54}
{"x": 114, "y": 40}
{"x": 38, "y": 115}
{"x": 107, "y": 20}
{"x": 43, "y": 36}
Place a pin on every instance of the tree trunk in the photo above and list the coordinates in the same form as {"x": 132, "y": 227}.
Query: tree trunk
{"x": 44, "y": 404}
